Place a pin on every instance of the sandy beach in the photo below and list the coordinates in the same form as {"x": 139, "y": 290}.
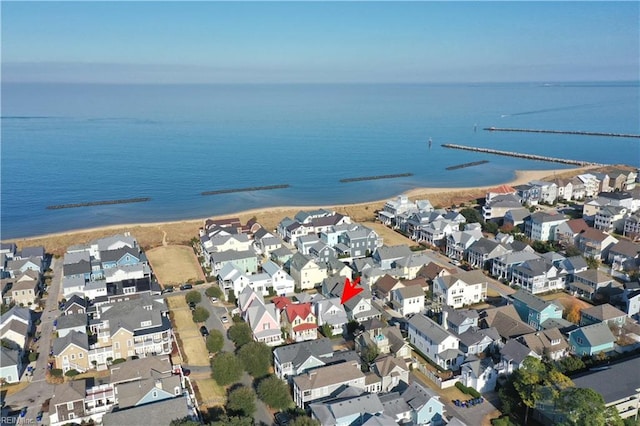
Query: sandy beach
{"x": 180, "y": 232}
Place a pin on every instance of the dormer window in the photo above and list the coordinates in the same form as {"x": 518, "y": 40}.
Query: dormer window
{"x": 145, "y": 324}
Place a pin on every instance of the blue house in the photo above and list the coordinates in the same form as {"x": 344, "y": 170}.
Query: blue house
{"x": 591, "y": 339}
{"x": 425, "y": 405}
{"x": 533, "y": 310}
{"x": 120, "y": 257}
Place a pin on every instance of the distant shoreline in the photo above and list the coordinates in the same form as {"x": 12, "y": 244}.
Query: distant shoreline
{"x": 274, "y": 214}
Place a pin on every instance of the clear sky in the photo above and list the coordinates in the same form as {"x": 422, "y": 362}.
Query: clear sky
{"x": 280, "y": 42}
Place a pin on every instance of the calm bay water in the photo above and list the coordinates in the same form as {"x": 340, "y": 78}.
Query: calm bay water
{"x": 65, "y": 143}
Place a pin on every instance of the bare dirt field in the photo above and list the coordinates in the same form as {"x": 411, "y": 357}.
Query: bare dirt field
{"x": 389, "y": 236}
{"x": 566, "y": 300}
{"x": 194, "y": 350}
{"x": 174, "y": 265}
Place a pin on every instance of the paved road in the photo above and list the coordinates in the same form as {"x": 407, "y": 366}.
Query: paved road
{"x": 262, "y": 415}
{"x": 34, "y": 395}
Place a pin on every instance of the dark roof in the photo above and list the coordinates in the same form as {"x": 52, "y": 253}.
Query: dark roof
{"x": 157, "y": 413}
{"x": 300, "y": 352}
{"x": 71, "y": 321}
{"x": 37, "y": 251}
{"x": 75, "y": 299}
{"x": 74, "y": 337}
{"x": 626, "y": 248}
{"x": 613, "y": 383}
{"x": 82, "y": 267}
{"x": 117, "y": 254}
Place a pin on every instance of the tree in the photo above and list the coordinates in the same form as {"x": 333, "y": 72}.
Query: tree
{"x": 72, "y": 373}
{"x": 582, "y": 406}
{"x": 592, "y": 262}
{"x": 326, "y": 331}
{"x": 490, "y": 227}
{"x": 570, "y": 364}
{"x": 527, "y": 383}
{"x": 304, "y": 421}
{"x": 572, "y": 250}
{"x": 369, "y": 354}
{"x": 240, "y": 334}
{"x": 185, "y": 421}
{"x": 215, "y": 341}
{"x": 256, "y": 358}
{"x": 227, "y": 368}
{"x": 275, "y": 393}
{"x": 193, "y": 296}
{"x": 572, "y": 313}
{"x": 472, "y": 215}
{"x": 226, "y": 420}
{"x": 200, "y": 314}
{"x": 242, "y": 401}
{"x": 213, "y": 291}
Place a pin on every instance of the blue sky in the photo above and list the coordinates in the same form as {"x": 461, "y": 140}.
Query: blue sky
{"x": 296, "y": 42}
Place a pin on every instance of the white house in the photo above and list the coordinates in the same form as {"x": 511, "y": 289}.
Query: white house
{"x": 408, "y": 300}
{"x": 542, "y": 226}
{"x": 282, "y": 282}
{"x": 479, "y": 374}
{"x": 332, "y": 312}
{"x": 434, "y": 342}
{"x": 458, "y": 290}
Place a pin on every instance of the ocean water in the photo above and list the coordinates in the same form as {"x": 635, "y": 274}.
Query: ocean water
{"x": 73, "y": 143}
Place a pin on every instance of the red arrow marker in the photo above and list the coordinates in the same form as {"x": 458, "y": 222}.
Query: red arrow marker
{"x": 350, "y": 290}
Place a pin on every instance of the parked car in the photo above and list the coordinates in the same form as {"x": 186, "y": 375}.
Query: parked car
{"x": 39, "y": 416}
{"x": 167, "y": 290}
{"x": 186, "y": 287}
{"x": 23, "y": 412}
{"x": 186, "y": 372}
{"x": 282, "y": 419}
{"x": 192, "y": 306}
{"x": 214, "y": 299}
{"x": 224, "y": 319}
{"x": 204, "y": 331}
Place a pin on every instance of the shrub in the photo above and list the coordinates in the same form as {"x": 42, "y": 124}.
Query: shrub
{"x": 193, "y": 296}
{"x": 118, "y": 361}
{"x": 467, "y": 390}
{"x": 236, "y": 318}
{"x": 213, "y": 291}
{"x": 56, "y": 372}
{"x": 33, "y": 356}
{"x": 72, "y": 373}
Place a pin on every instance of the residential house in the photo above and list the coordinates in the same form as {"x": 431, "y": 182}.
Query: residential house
{"x": 426, "y": 408}
{"x": 578, "y": 189}
{"x": 299, "y": 322}
{"x": 348, "y": 410}
{"x": 565, "y": 188}
{"x": 67, "y": 403}
{"x": 479, "y": 374}
{"x": 591, "y": 184}
{"x": 360, "y": 240}
{"x": 410, "y": 265}
{"x": 588, "y": 282}
{"x": 479, "y": 340}
{"x": 245, "y": 260}
{"x": 154, "y": 413}
{"x": 15, "y": 326}
{"x": 498, "y": 191}
{"x": 512, "y": 356}
{"x": 434, "y": 342}
{"x": 408, "y": 300}
{"x": 321, "y": 252}
{"x": 610, "y": 219}
{"x": 17, "y": 266}
{"x": 632, "y": 226}
{"x": 591, "y": 339}
{"x": 282, "y": 255}
{"x": 73, "y": 285}
{"x": 384, "y": 286}
{"x": 10, "y": 250}
{"x": 11, "y": 368}
{"x": 71, "y": 352}
{"x": 549, "y": 343}
{"x": 306, "y": 273}
{"x": 231, "y": 278}
{"x": 339, "y": 269}
{"x": 358, "y": 308}
{"x": 324, "y": 381}
{"x": 458, "y": 242}
{"x": 595, "y": 243}
{"x": 458, "y": 320}
{"x": 25, "y": 289}
{"x": 391, "y": 371}
{"x": 624, "y": 256}
{"x": 386, "y": 256}
{"x": 386, "y": 339}
{"x": 506, "y": 320}
{"x": 533, "y": 310}
{"x": 294, "y": 359}
{"x": 502, "y": 266}
{"x": 482, "y": 252}
{"x": 394, "y": 207}
{"x": 528, "y": 194}
{"x": 118, "y": 273}
{"x": 542, "y": 226}
{"x": 567, "y": 232}
{"x": 72, "y": 322}
{"x": 515, "y": 217}
{"x": 436, "y": 232}
{"x": 281, "y": 282}
{"x": 618, "y": 388}
{"x": 496, "y": 209}
{"x": 548, "y": 191}
{"x": 602, "y": 313}
{"x": 458, "y": 290}
{"x": 304, "y": 243}
{"x": 432, "y": 270}
{"x": 332, "y": 313}
{"x": 538, "y": 276}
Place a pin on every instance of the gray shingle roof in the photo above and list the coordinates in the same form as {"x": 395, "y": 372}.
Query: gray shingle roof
{"x": 9, "y": 356}
{"x": 417, "y": 396}
{"x": 533, "y": 302}
{"x": 299, "y": 352}
{"x": 157, "y": 413}
{"x": 429, "y": 328}
{"x": 71, "y": 321}
{"x": 230, "y": 255}
{"x": 73, "y": 338}
{"x": 515, "y": 351}
{"x": 597, "y": 334}
{"x": 484, "y": 246}
{"x": 393, "y": 252}
{"x": 603, "y": 312}
{"x": 614, "y": 383}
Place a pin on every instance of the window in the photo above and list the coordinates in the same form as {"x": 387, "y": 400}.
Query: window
{"x": 116, "y": 345}
{"x": 129, "y": 343}
{"x": 73, "y": 356}
{"x": 155, "y": 394}
{"x": 69, "y": 405}
{"x": 80, "y": 355}
{"x": 145, "y": 323}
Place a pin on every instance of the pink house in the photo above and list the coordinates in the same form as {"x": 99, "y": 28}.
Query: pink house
{"x": 264, "y": 320}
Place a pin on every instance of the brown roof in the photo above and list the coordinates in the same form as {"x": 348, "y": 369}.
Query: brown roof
{"x": 594, "y": 234}
{"x": 386, "y": 283}
{"x": 416, "y": 281}
{"x": 577, "y": 225}
{"x": 329, "y": 375}
{"x": 506, "y": 320}
{"x": 67, "y": 392}
{"x": 431, "y": 270}
{"x": 604, "y": 312}
{"x": 26, "y": 284}
{"x": 541, "y": 340}
{"x": 626, "y": 248}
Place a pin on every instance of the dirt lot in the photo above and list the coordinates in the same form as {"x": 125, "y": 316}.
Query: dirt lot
{"x": 389, "y": 236}
{"x": 566, "y": 300}
{"x": 193, "y": 347}
{"x": 210, "y": 394}
{"x": 174, "y": 265}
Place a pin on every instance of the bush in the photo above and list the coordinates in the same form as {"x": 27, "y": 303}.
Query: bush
{"x": 200, "y": 314}
{"x": 236, "y": 318}
{"x": 213, "y": 291}
{"x": 467, "y": 390}
{"x": 56, "y": 372}
{"x": 193, "y": 296}
{"x": 72, "y": 373}
{"x": 33, "y": 356}
{"x": 118, "y": 361}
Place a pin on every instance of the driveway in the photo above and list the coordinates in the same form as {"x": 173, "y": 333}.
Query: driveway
{"x": 34, "y": 395}
{"x": 262, "y": 414}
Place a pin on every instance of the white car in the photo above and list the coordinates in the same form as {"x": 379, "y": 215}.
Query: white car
{"x": 224, "y": 319}
{"x": 214, "y": 299}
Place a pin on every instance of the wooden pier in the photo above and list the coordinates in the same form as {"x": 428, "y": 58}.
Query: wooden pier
{"x": 462, "y": 166}
{"x": 563, "y": 132}
{"x": 522, "y": 155}
{"x": 99, "y": 203}
{"x": 251, "y": 188}
{"x": 359, "y": 179}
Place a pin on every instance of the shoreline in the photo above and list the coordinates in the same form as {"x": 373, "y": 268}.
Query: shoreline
{"x": 521, "y": 177}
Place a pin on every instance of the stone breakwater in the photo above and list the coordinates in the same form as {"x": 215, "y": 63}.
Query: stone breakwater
{"x": 563, "y": 132}
{"x": 99, "y": 203}
{"x": 522, "y": 155}
{"x": 359, "y": 179}
{"x": 251, "y": 188}
{"x": 462, "y": 166}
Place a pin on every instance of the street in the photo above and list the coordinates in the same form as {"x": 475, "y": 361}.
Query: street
{"x": 34, "y": 395}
